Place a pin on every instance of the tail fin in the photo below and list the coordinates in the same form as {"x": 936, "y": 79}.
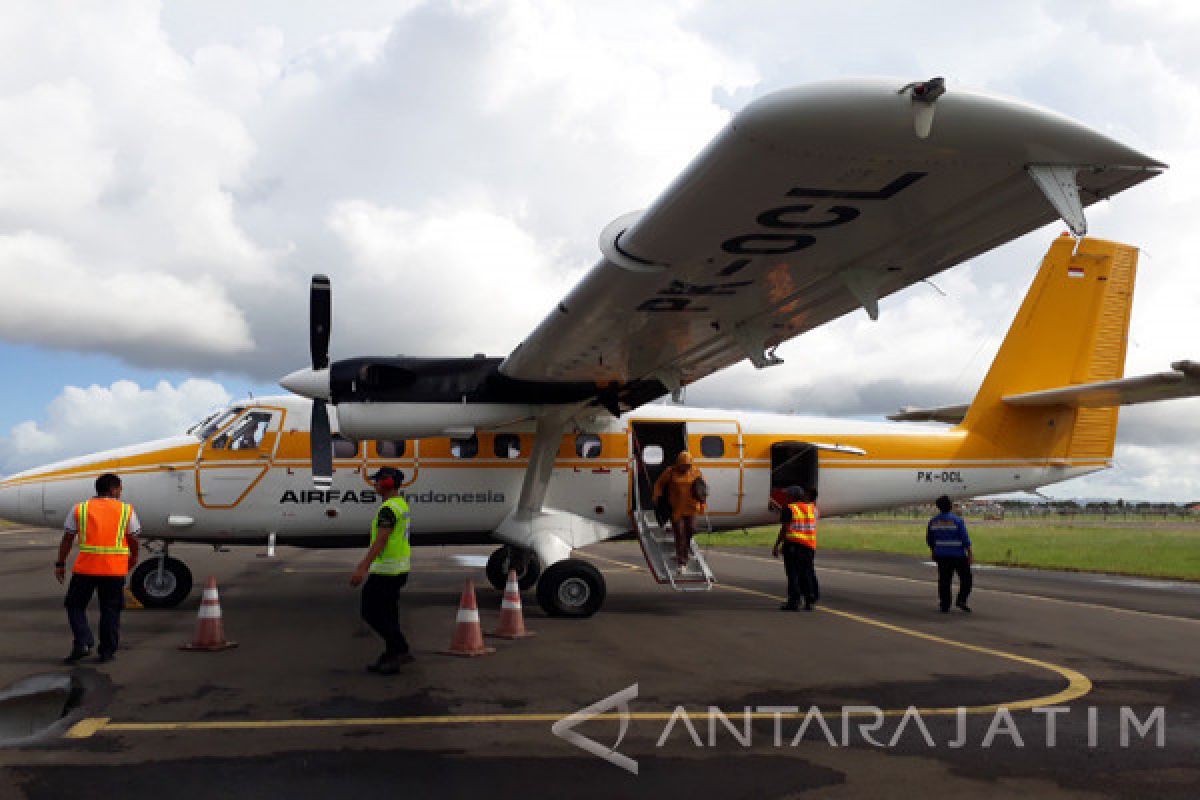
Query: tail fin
{"x": 1072, "y": 328}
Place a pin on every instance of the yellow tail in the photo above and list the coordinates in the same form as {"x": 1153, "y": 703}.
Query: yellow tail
{"x": 1072, "y": 328}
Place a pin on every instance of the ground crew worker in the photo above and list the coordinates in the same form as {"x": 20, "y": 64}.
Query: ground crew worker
{"x": 385, "y": 569}
{"x": 950, "y": 547}
{"x": 108, "y": 550}
{"x": 798, "y": 541}
{"x": 679, "y": 485}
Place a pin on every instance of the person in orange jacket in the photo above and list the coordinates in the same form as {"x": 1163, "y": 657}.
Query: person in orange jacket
{"x": 679, "y": 484}
{"x": 108, "y": 549}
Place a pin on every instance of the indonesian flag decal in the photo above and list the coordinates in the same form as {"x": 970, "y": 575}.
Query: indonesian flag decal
{"x": 1075, "y": 272}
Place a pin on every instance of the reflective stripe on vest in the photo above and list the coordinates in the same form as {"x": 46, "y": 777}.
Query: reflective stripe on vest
{"x": 103, "y": 549}
{"x": 396, "y": 556}
{"x": 803, "y": 527}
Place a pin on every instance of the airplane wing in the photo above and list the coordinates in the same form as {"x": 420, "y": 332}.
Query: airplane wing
{"x": 1182, "y": 381}
{"x": 811, "y": 203}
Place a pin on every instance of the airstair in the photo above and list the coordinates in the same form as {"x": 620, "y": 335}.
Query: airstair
{"x": 658, "y": 547}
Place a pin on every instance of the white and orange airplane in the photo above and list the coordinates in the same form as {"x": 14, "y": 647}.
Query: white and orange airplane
{"x": 812, "y": 203}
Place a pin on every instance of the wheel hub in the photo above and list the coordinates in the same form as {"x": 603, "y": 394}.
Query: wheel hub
{"x": 157, "y": 587}
{"x": 574, "y": 592}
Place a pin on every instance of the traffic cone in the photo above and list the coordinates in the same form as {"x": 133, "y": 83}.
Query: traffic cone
{"x": 210, "y": 631}
{"x": 512, "y": 619}
{"x": 468, "y": 635}
{"x": 131, "y": 602}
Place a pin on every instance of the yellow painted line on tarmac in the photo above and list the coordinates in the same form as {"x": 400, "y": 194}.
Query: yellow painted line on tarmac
{"x": 86, "y": 728}
{"x": 1010, "y": 593}
{"x": 1078, "y": 685}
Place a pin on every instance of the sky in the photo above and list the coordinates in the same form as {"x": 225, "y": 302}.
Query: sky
{"x": 172, "y": 174}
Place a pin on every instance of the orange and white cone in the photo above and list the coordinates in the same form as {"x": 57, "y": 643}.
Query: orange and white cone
{"x": 512, "y": 619}
{"x": 468, "y": 635}
{"x": 210, "y": 630}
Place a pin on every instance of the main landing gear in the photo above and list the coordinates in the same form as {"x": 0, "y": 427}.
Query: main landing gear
{"x": 506, "y": 558}
{"x": 571, "y": 588}
{"x": 161, "y": 581}
{"x": 567, "y": 588}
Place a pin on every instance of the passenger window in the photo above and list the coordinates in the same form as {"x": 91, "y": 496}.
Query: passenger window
{"x": 390, "y": 449}
{"x": 465, "y": 448}
{"x": 507, "y": 445}
{"x": 246, "y": 434}
{"x": 343, "y": 447}
{"x": 652, "y": 455}
{"x": 712, "y": 446}
{"x": 587, "y": 445}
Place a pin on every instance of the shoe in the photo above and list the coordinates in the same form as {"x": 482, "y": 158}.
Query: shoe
{"x": 388, "y": 666}
{"x": 104, "y": 658}
{"x": 810, "y": 607}
{"x": 789, "y": 607}
{"x": 407, "y": 658}
{"x": 944, "y": 609}
{"x": 77, "y": 653}
{"x": 963, "y": 607}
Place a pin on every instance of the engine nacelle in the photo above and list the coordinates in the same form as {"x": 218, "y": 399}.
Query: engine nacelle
{"x": 424, "y": 420}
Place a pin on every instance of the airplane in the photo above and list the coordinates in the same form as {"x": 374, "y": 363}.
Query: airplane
{"x": 812, "y": 203}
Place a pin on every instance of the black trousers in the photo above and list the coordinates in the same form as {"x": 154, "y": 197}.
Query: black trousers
{"x": 947, "y": 567}
{"x": 111, "y": 591}
{"x": 381, "y": 610}
{"x": 801, "y": 574}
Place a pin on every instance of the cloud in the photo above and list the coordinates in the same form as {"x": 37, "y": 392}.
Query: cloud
{"x": 52, "y": 299}
{"x": 82, "y": 420}
{"x": 450, "y": 166}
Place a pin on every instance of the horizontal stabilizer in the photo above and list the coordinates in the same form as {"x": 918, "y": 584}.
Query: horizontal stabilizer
{"x": 1182, "y": 381}
{"x": 948, "y": 414}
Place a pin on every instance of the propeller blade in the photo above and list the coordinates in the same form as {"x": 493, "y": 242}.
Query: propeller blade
{"x": 320, "y": 317}
{"x": 321, "y": 443}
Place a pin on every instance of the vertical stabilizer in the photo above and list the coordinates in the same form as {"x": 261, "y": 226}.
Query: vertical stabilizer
{"x": 1072, "y": 328}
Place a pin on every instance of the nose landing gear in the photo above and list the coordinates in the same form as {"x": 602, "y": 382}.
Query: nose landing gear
{"x": 161, "y": 581}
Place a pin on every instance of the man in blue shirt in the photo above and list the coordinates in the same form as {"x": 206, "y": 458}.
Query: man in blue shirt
{"x": 950, "y": 547}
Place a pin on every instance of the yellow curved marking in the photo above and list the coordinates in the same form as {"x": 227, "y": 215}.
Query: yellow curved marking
{"x": 1078, "y": 685}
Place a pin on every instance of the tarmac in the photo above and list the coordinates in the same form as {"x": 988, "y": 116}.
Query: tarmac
{"x": 291, "y": 712}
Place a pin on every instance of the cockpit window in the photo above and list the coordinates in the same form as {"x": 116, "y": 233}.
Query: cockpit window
{"x": 213, "y": 423}
{"x": 246, "y": 434}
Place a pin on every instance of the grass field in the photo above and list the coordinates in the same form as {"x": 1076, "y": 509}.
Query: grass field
{"x": 1163, "y": 551}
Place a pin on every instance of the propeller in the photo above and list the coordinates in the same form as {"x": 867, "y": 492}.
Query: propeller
{"x": 320, "y": 314}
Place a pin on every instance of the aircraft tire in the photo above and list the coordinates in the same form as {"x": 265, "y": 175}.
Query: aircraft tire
{"x": 176, "y": 584}
{"x": 571, "y": 588}
{"x": 498, "y": 564}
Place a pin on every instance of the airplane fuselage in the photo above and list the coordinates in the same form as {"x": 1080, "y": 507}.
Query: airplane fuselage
{"x": 186, "y": 488}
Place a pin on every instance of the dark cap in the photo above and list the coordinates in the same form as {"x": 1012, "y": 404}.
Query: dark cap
{"x": 796, "y": 493}
{"x": 389, "y": 472}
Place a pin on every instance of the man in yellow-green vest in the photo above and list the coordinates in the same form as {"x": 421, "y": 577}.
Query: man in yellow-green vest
{"x": 385, "y": 569}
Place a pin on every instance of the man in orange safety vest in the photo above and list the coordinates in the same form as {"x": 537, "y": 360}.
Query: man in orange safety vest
{"x": 798, "y": 541}
{"x": 108, "y": 548}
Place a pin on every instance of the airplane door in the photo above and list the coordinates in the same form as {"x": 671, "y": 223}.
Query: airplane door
{"x": 401, "y": 454}
{"x": 716, "y": 446}
{"x": 233, "y": 461}
{"x": 654, "y": 446}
